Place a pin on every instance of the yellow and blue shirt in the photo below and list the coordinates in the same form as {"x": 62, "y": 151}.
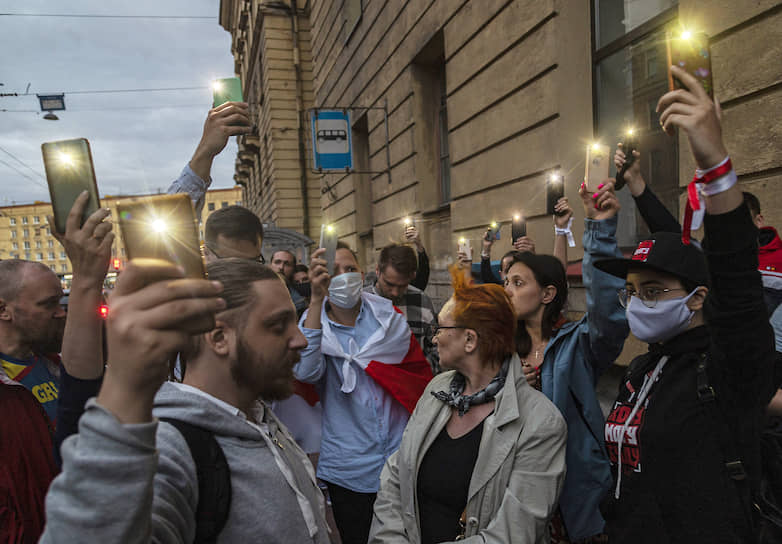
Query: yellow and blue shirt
{"x": 34, "y": 374}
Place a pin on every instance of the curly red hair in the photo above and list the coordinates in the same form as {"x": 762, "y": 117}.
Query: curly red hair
{"x": 486, "y": 309}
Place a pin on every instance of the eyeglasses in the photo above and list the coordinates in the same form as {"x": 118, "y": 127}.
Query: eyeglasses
{"x": 259, "y": 258}
{"x": 434, "y": 330}
{"x": 647, "y": 295}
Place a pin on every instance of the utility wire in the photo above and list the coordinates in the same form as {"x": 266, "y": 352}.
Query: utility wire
{"x": 12, "y": 167}
{"x": 99, "y": 16}
{"x": 17, "y": 159}
{"x": 159, "y": 89}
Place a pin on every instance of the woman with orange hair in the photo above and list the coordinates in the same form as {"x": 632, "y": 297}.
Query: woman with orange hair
{"x": 483, "y": 455}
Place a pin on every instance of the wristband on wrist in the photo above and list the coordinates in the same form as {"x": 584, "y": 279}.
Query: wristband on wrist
{"x": 707, "y": 182}
{"x": 484, "y": 256}
{"x": 566, "y": 231}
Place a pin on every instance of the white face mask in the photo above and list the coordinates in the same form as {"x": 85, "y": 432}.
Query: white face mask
{"x": 661, "y": 323}
{"x": 345, "y": 290}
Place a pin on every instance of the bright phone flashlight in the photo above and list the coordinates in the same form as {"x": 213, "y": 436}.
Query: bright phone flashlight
{"x": 630, "y": 131}
{"x": 462, "y": 241}
{"x": 408, "y": 221}
{"x": 65, "y": 158}
{"x": 686, "y": 35}
{"x": 554, "y": 177}
{"x": 596, "y": 146}
{"x": 158, "y": 225}
{"x": 493, "y": 224}
{"x": 517, "y": 217}
{"x": 330, "y": 228}
{"x": 217, "y": 86}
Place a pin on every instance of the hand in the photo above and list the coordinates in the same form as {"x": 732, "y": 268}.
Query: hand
{"x": 222, "y": 122}
{"x": 486, "y": 242}
{"x": 89, "y": 246}
{"x": 413, "y": 236}
{"x": 563, "y": 214}
{"x": 154, "y": 313}
{"x": 530, "y": 374}
{"x": 525, "y": 243}
{"x": 633, "y": 176}
{"x": 319, "y": 277}
{"x": 694, "y": 112}
{"x": 463, "y": 260}
{"x": 602, "y": 204}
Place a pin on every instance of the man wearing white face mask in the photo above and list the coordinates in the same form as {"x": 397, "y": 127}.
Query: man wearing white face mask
{"x": 369, "y": 371}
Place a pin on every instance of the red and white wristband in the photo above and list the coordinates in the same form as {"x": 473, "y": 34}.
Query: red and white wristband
{"x": 710, "y": 182}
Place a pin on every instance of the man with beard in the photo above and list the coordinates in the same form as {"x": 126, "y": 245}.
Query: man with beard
{"x": 396, "y": 270}
{"x": 129, "y": 475}
{"x": 284, "y": 263}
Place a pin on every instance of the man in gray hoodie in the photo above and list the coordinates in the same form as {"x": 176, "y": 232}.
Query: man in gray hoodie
{"x": 128, "y": 477}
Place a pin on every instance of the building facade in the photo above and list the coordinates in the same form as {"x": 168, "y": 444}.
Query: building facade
{"x": 25, "y": 234}
{"x": 485, "y": 99}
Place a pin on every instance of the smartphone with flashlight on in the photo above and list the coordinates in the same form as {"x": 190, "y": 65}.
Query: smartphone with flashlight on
{"x": 629, "y": 145}
{"x": 228, "y": 89}
{"x": 162, "y": 227}
{"x": 465, "y": 247}
{"x": 597, "y": 163}
{"x": 493, "y": 231}
{"x": 328, "y": 241}
{"x": 518, "y": 227}
{"x": 69, "y": 172}
{"x": 690, "y": 52}
{"x": 555, "y": 189}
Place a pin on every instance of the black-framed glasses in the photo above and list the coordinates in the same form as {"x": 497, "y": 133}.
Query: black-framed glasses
{"x": 259, "y": 258}
{"x": 647, "y": 295}
{"x": 434, "y": 330}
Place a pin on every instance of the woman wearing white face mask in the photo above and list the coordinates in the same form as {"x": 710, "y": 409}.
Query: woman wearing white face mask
{"x": 683, "y": 434}
{"x": 369, "y": 372}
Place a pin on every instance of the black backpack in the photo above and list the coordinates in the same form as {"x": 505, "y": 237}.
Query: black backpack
{"x": 214, "y": 480}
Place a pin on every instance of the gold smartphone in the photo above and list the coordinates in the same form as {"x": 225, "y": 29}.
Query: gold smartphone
{"x": 162, "y": 227}
{"x": 69, "y": 171}
{"x": 597, "y": 163}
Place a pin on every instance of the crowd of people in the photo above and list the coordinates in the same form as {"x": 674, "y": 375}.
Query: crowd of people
{"x": 282, "y": 402}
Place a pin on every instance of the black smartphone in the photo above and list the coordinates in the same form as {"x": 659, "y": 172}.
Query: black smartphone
{"x": 328, "y": 240}
{"x": 555, "y": 189}
{"x": 690, "y": 52}
{"x": 493, "y": 231}
{"x": 162, "y": 227}
{"x": 629, "y": 145}
{"x": 518, "y": 227}
{"x": 69, "y": 172}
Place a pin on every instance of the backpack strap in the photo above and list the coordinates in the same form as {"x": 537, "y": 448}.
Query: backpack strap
{"x": 214, "y": 480}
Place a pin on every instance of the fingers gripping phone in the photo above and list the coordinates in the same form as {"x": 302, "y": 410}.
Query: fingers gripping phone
{"x": 328, "y": 241}
{"x": 629, "y": 146}
{"x": 493, "y": 231}
{"x": 228, "y": 89}
{"x": 69, "y": 172}
{"x": 162, "y": 227}
{"x": 555, "y": 189}
{"x": 518, "y": 227}
{"x": 690, "y": 52}
{"x": 597, "y": 163}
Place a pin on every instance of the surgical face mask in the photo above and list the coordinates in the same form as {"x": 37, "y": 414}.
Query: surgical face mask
{"x": 659, "y": 324}
{"x": 345, "y": 290}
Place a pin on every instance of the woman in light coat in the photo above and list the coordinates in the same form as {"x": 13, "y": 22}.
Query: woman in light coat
{"x": 483, "y": 454}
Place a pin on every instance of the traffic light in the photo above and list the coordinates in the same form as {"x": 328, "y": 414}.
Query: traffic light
{"x": 117, "y": 263}
{"x": 104, "y": 311}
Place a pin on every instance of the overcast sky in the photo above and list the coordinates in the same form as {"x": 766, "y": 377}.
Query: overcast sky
{"x": 140, "y": 141}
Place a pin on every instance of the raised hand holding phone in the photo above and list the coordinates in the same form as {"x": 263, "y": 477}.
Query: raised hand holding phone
{"x": 600, "y": 204}
{"x": 518, "y": 227}
{"x": 555, "y": 189}
{"x": 629, "y": 147}
{"x": 597, "y": 164}
{"x": 328, "y": 241}
{"x": 228, "y": 89}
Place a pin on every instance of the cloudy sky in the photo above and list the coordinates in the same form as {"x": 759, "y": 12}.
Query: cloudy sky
{"x": 140, "y": 141}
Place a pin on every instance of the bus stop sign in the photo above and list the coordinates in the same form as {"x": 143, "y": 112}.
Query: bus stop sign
{"x": 331, "y": 142}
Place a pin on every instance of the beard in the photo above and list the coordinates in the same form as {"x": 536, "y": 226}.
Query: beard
{"x": 272, "y": 380}
{"x": 46, "y": 340}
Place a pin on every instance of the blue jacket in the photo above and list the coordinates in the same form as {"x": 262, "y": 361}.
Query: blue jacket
{"x": 572, "y": 363}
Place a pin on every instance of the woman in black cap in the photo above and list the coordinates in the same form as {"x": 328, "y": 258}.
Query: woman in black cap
{"x": 683, "y": 433}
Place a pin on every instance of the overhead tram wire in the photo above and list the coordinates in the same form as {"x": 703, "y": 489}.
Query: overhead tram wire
{"x": 12, "y": 167}
{"x": 107, "y": 16}
{"x": 17, "y": 159}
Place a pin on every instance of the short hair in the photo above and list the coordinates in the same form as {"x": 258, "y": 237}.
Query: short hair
{"x": 237, "y": 276}
{"x": 343, "y": 245}
{"x": 289, "y": 252}
{"x": 401, "y": 257}
{"x": 301, "y": 268}
{"x": 233, "y": 222}
{"x": 487, "y": 309}
{"x": 752, "y": 203}
{"x": 12, "y": 272}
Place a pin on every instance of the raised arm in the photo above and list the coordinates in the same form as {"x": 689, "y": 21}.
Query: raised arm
{"x": 563, "y": 237}
{"x": 422, "y": 271}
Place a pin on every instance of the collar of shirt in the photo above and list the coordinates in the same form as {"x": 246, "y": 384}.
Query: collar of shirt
{"x": 230, "y": 408}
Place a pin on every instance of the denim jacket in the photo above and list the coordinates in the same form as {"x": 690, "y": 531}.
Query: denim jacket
{"x": 572, "y": 363}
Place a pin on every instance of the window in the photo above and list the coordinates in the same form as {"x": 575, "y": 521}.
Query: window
{"x": 51, "y": 255}
{"x": 39, "y": 256}
{"x": 123, "y": 251}
{"x": 37, "y": 244}
{"x": 36, "y": 220}
{"x": 26, "y": 233}
{"x": 224, "y": 205}
{"x": 238, "y": 202}
{"x": 442, "y": 136}
{"x": 48, "y": 231}
{"x": 629, "y": 79}
{"x": 13, "y": 221}
{"x": 211, "y": 206}
{"x": 27, "y": 255}
{"x": 15, "y": 245}
{"x": 13, "y": 234}
{"x": 26, "y": 244}
{"x": 63, "y": 268}
{"x": 50, "y": 243}
{"x": 62, "y": 255}
{"x": 24, "y": 220}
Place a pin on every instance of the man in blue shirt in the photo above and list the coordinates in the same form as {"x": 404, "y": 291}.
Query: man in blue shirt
{"x": 350, "y": 333}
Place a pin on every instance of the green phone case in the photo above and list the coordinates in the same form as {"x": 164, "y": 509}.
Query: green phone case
{"x": 228, "y": 89}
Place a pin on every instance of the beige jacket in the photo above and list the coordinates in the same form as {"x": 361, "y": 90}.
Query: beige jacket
{"x": 517, "y": 477}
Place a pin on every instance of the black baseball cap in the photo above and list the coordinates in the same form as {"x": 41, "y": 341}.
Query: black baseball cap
{"x": 664, "y": 252}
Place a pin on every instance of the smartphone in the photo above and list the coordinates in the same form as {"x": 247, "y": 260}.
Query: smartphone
{"x": 629, "y": 145}
{"x": 465, "y": 247}
{"x": 555, "y": 189}
{"x": 518, "y": 227}
{"x": 493, "y": 231}
{"x": 69, "y": 171}
{"x": 162, "y": 227}
{"x": 597, "y": 163}
{"x": 328, "y": 240}
{"x": 228, "y": 89}
{"x": 690, "y": 51}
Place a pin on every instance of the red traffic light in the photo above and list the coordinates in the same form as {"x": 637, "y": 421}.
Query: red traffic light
{"x": 117, "y": 263}
{"x": 104, "y": 311}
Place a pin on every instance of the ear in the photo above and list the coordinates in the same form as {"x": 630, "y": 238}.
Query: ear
{"x": 221, "y": 339}
{"x": 698, "y": 298}
{"x": 5, "y": 311}
{"x": 377, "y": 271}
{"x": 470, "y": 341}
{"x": 549, "y": 293}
